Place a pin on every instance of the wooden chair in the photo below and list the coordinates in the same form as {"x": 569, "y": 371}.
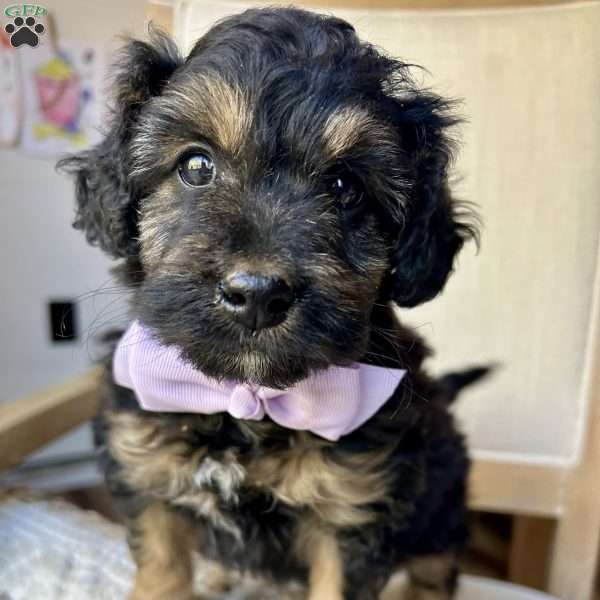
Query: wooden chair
{"x": 34, "y": 421}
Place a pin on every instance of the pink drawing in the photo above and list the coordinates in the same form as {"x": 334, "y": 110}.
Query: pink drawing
{"x": 59, "y": 91}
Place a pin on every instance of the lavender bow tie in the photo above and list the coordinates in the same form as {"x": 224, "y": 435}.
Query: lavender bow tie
{"x": 331, "y": 403}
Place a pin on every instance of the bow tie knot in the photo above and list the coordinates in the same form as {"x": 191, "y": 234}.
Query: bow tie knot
{"x": 246, "y": 403}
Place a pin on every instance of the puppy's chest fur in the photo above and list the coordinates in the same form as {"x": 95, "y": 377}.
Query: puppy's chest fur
{"x": 170, "y": 459}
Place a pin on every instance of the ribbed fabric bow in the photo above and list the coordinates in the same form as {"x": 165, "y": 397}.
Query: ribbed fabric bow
{"x": 330, "y": 403}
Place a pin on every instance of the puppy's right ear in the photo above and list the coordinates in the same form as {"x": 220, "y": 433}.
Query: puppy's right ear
{"x": 106, "y": 208}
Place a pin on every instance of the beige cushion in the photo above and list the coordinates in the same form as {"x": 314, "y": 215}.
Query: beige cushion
{"x": 530, "y": 159}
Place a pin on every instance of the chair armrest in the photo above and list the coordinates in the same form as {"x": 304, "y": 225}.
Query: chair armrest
{"x": 517, "y": 488}
{"x": 31, "y": 422}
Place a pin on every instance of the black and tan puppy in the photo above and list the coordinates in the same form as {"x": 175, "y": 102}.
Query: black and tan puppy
{"x": 271, "y": 196}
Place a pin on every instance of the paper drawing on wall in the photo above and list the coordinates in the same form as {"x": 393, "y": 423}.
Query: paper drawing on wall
{"x": 61, "y": 100}
{"x": 63, "y": 103}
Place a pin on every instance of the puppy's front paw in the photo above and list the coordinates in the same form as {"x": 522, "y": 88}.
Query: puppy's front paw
{"x": 223, "y": 476}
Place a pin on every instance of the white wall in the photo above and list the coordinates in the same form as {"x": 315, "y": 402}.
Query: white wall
{"x": 41, "y": 256}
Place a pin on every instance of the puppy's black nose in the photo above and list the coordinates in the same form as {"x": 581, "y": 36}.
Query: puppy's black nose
{"x": 256, "y": 301}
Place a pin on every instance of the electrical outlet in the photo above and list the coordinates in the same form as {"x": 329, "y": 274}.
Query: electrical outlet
{"x": 63, "y": 320}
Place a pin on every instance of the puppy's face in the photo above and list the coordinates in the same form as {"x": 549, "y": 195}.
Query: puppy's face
{"x": 274, "y": 189}
{"x": 261, "y": 235}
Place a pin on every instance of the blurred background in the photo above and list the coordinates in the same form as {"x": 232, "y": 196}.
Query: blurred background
{"x": 529, "y": 78}
{"x": 49, "y": 271}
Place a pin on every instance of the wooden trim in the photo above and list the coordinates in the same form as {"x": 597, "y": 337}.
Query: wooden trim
{"x": 30, "y": 423}
{"x": 576, "y": 550}
{"x": 530, "y": 551}
{"x": 426, "y": 5}
{"x": 160, "y": 16}
{"x": 160, "y": 11}
{"x": 517, "y": 488}
{"x": 163, "y": 16}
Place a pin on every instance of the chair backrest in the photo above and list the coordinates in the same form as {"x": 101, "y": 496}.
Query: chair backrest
{"x": 530, "y": 159}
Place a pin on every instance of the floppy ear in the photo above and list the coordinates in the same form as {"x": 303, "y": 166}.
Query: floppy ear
{"x": 106, "y": 206}
{"x": 435, "y": 226}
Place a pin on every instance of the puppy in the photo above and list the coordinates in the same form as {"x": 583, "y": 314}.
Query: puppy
{"x": 271, "y": 196}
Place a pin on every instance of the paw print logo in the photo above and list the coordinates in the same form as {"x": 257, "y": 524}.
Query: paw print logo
{"x": 24, "y": 31}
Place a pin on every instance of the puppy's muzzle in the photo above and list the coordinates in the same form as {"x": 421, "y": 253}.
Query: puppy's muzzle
{"x": 254, "y": 300}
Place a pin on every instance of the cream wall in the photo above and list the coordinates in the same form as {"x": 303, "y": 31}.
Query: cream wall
{"x": 41, "y": 256}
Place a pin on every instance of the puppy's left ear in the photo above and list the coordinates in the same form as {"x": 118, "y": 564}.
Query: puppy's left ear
{"x": 106, "y": 204}
{"x": 435, "y": 227}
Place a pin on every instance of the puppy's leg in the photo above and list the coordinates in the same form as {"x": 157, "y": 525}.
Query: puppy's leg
{"x": 161, "y": 543}
{"x": 432, "y": 577}
{"x": 326, "y": 579}
{"x": 321, "y": 552}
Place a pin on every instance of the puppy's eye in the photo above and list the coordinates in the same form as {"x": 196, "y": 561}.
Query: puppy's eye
{"x": 347, "y": 190}
{"x": 197, "y": 169}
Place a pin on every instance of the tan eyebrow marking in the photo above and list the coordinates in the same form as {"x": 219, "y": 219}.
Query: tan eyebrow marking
{"x": 346, "y": 127}
{"x": 222, "y": 110}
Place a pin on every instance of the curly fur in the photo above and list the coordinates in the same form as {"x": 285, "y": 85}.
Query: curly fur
{"x": 105, "y": 206}
{"x": 284, "y": 100}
